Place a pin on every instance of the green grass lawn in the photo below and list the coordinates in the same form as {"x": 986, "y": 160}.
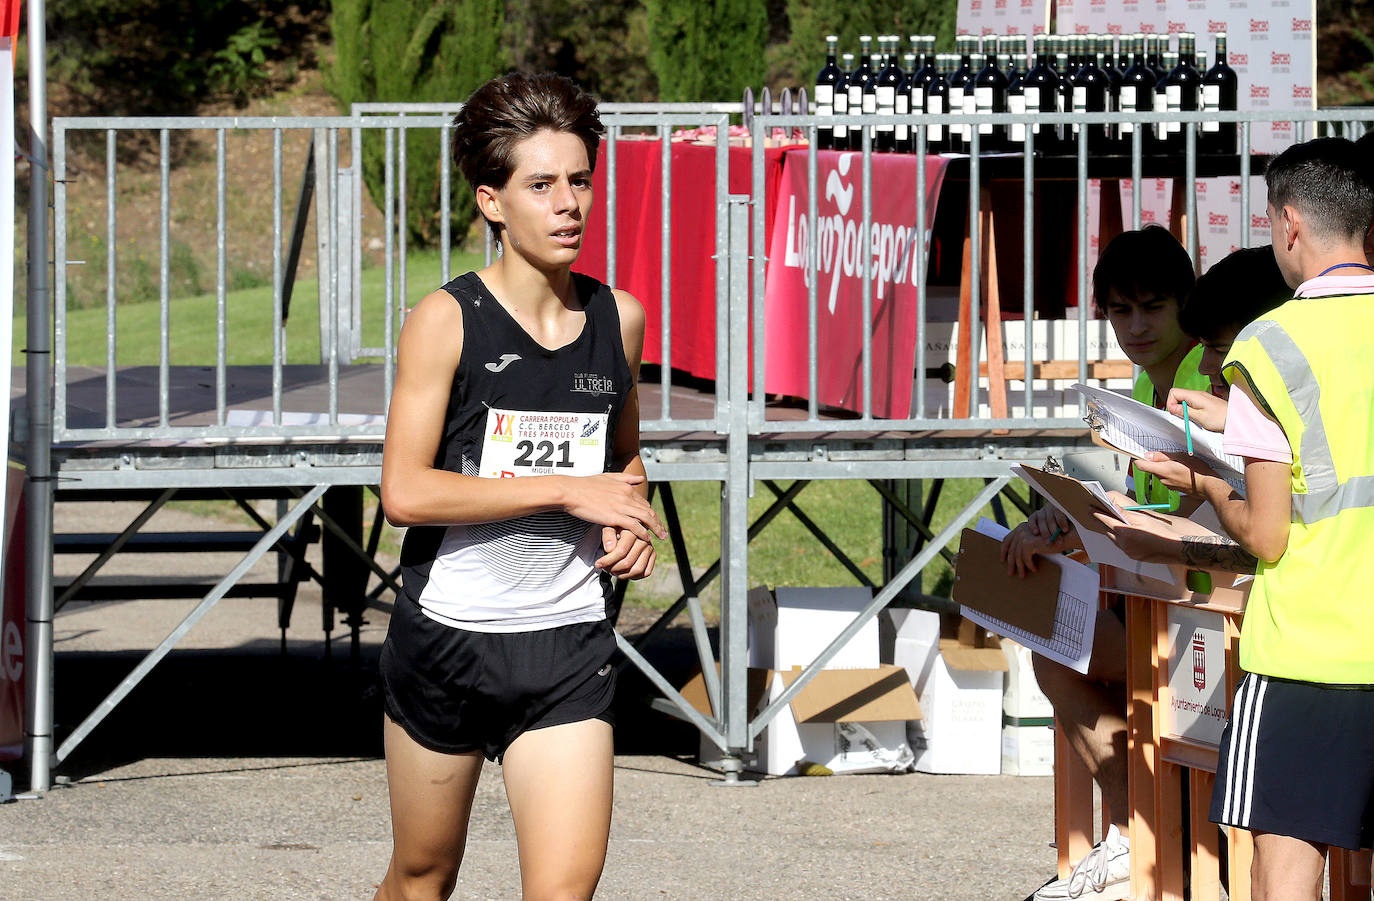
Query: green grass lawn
{"x": 248, "y": 318}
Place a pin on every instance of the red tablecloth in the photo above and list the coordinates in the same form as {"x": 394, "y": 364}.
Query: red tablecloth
{"x": 639, "y": 211}
{"x": 839, "y": 305}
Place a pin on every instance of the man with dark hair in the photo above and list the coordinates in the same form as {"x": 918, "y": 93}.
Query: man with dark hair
{"x": 1296, "y": 765}
{"x": 1236, "y": 291}
{"x": 1140, "y": 281}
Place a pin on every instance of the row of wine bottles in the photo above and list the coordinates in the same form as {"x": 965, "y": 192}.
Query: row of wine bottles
{"x": 994, "y": 74}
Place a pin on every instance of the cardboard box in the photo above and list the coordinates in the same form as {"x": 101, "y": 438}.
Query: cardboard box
{"x": 1021, "y": 696}
{"x": 957, "y": 672}
{"x": 1027, "y": 750}
{"x": 851, "y": 720}
{"x": 791, "y": 627}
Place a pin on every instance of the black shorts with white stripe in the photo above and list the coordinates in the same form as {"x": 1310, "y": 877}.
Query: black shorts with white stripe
{"x": 1297, "y": 759}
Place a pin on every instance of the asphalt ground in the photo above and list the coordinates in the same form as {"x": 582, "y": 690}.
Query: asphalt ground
{"x": 238, "y": 772}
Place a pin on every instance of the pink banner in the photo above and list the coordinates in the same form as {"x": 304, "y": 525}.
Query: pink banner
{"x": 839, "y": 305}
{"x": 12, "y": 622}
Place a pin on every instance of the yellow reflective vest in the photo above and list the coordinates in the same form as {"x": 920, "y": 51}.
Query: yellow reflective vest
{"x": 1310, "y": 365}
{"x": 1147, "y": 490}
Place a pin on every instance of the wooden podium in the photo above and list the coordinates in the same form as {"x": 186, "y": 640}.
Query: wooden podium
{"x": 1182, "y": 670}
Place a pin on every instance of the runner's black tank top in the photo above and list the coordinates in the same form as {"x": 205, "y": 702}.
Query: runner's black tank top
{"x": 528, "y": 410}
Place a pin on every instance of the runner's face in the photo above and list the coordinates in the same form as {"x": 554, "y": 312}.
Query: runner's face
{"x": 1213, "y": 355}
{"x": 545, "y": 204}
{"x": 1146, "y": 327}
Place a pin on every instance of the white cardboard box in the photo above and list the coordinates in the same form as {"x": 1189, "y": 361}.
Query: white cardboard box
{"x": 851, "y": 721}
{"x": 960, "y": 689}
{"x": 1022, "y": 697}
{"x": 1027, "y": 751}
{"x": 792, "y": 626}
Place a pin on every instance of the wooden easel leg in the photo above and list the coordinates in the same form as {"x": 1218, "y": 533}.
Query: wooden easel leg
{"x": 992, "y": 334}
{"x": 1140, "y": 748}
{"x": 963, "y": 353}
{"x": 1073, "y": 804}
{"x": 1206, "y": 864}
{"x": 1349, "y": 875}
{"x": 1240, "y": 848}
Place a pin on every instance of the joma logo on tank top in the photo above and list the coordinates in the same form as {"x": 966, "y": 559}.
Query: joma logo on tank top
{"x": 593, "y": 384}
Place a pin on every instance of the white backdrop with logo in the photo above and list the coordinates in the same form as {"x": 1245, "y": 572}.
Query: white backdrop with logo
{"x": 1272, "y": 46}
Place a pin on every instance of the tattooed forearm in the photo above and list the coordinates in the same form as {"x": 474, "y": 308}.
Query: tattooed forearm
{"x": 1216, "y": 552}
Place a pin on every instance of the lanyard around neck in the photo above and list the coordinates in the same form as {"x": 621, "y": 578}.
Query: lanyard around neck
{"x": 1345, "y": 266}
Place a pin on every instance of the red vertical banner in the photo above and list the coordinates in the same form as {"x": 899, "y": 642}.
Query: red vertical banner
{"x": 12, "y": 621}
{"x": 9, "y": 17}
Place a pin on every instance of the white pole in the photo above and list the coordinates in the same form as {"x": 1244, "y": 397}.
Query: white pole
{"x": 38, "y": 719}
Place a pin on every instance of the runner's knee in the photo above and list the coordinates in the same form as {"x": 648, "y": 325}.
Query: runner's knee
{"x": 418, "y": 882}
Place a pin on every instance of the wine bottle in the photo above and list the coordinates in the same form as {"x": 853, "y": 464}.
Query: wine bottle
{"x": 904, "y": 140}
{"x": 862, "y": 100}
{"x": 921, "y": 79}
{"x": 938, "y": 137}
{"x": 990, "y": 96}
{"x": 1154, "y": 55}
{"x": 826, "y": 80}
{"x": 1107, "y": 55}
{"x": 1040, "y": 91}
{"x": 1016, "y": 93}
{"x": 1091, "y": 89}
{"x": 841, "y": 132}
{"x": 961, "y": 100}
{"x": 1181, "y": 90}
{"x": 1138, "y": 94}
{"x": 1220, "y": 89}
{"x": 885, "y": 88}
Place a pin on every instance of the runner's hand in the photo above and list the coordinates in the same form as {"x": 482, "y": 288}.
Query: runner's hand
{"x": 1204, "y": 408}
{"x": 627, "y": 557}
{"x": 1032, "y": 537}
{"x": 610, "y": 499}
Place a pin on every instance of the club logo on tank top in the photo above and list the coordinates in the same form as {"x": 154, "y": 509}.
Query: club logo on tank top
{"x": 593, "y": 384}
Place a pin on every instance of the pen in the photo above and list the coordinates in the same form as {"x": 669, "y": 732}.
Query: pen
{"x": 1055, "y": 536}
{"x": 1149, "y": 507}
{"x": 1187, "y": 427}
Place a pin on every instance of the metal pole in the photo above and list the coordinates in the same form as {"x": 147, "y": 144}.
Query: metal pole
{"x": 38, "y": 723}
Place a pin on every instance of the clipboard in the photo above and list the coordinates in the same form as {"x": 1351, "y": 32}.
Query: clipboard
{"x": 1069, "y": 494}
{"x": 981, "y": 583}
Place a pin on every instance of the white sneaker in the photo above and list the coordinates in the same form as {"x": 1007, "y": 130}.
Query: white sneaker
{"x": 1104, "y": 874}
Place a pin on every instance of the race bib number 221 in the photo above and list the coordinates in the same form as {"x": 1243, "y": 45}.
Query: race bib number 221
{"x": 520, "y": 443}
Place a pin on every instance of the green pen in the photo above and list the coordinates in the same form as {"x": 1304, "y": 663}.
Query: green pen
{"x": 1149, "y": 507}
{"x": 1187, "y": 427}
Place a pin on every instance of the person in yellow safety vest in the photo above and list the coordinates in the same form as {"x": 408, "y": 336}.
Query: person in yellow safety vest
{"x": 1296, "y": 764}
{"x": 1139, "y": 283}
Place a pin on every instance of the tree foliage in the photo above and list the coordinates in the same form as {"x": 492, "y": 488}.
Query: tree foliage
{"x": 707, "y": 50}
{"x": 402, "y": 51}
{"x": 798, "y": 61}
{"x": 603, "y": 45}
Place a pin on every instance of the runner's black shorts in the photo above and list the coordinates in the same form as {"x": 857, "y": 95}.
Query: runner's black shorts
{"x": 1297, "y": 759}
{"x": 456, "y": 691}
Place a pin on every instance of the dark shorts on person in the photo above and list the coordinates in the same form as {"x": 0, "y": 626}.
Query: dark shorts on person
{"x": 456, "y": 691}
{"x": 1297, "y": 759}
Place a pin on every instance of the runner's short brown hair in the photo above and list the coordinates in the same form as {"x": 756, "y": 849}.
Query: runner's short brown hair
{"x": 505, "y": 111}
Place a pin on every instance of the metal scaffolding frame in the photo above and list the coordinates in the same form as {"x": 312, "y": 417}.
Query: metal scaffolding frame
{"x": 737, "y": 445}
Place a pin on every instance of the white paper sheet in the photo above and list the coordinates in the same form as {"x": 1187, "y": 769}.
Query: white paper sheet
{"x": 1139, "y": 429}
{"x": 1099, "y": 548}
{"x": 1075, "y": 619}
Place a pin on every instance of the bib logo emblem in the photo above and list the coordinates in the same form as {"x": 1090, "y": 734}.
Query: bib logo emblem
{"x": 504, "y": 423}
{"x": 506, "y": 360}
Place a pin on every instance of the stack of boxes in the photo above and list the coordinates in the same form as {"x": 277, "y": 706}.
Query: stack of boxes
{"x": 851, "y": 718}
{"x": 1027, "y": 718}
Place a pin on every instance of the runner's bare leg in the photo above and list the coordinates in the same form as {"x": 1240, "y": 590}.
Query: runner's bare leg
{"x": 431, "y": 799}
{"x": 559, "y": 784}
